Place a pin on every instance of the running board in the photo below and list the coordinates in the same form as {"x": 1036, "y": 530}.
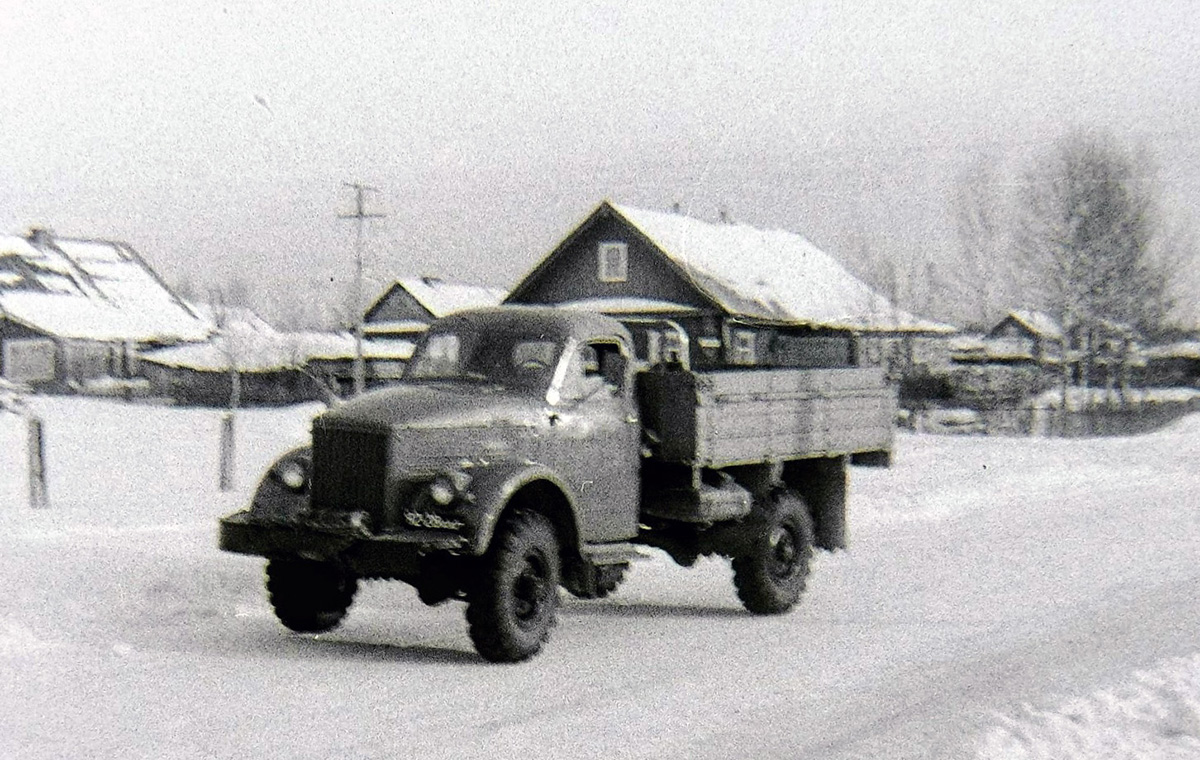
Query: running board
{"x": 612, "y": 554}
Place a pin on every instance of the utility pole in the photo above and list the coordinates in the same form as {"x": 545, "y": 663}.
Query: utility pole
{"x": 360, "y": 215}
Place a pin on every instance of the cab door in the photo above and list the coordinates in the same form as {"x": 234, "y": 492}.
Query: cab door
{"x": 596, "y": 438}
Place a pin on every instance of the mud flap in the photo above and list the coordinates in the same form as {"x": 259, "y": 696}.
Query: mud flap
{"x": 822, "y": 485}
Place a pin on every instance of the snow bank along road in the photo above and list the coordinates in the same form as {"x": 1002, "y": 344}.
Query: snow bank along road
{"x": 983, "y": 574}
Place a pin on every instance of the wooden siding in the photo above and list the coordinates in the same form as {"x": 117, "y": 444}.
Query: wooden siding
{"x": 719, "y": 419}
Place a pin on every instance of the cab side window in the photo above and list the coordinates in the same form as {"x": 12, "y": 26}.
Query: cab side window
{"x": 596, "y": 368}
{"x": 610, "y": 364}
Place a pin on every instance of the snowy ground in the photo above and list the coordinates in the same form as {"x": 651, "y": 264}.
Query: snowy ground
{"x": 1003, "y": 598}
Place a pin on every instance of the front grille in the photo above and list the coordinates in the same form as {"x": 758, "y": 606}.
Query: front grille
{"x": 349, "y": 469}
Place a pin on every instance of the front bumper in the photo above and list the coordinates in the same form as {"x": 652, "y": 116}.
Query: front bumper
{"x": 395, "y": 553}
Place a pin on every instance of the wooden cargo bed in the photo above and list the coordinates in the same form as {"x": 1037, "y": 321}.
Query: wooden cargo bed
{"x": 720, "y": 419}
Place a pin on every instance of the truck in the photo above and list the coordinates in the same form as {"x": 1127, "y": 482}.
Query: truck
{"x": 528, "y": 448}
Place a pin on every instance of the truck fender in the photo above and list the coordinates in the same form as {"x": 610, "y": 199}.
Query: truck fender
{"x": 273, "y": 499}
{"x": 495, "y": 486}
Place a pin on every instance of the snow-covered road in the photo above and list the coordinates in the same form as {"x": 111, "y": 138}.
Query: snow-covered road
{"x": 983, "y": 574}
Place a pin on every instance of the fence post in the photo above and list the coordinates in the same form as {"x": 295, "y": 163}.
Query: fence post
{"x": 226, "y": 464}
{"x": 38, "y": 494}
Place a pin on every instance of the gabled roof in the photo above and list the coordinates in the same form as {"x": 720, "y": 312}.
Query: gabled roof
{"x": 769, "y": 275}
{"x": 90, "y": 289}
{"x": 440, "y": 298}
{"x": 1039, "y": 323}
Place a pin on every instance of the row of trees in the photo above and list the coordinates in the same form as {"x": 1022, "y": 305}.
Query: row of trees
{"x": 1081, "y": 236}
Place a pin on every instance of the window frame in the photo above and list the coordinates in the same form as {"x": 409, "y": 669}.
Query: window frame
{"x": 612, "y": 271}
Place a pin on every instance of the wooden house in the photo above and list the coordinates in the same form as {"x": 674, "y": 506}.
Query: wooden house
{"x": 75, "y": 311}
{"x": 715, "y": 294}
{"x": 1026, "y": 336}
{"x": 408, "y": 305}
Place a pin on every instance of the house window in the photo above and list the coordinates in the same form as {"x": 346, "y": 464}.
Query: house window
{"x": 613, "y": 262}
{"x": 29, "y": 361}
{"x": 742, "y": 347}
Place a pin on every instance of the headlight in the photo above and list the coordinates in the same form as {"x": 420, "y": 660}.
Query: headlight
{"x": 448, "y": 486}
{"x": 441, "y": 491}
{"x": 292, "y": 474}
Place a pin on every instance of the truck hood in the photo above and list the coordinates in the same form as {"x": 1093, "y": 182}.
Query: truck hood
{"x": 438, "y": 404}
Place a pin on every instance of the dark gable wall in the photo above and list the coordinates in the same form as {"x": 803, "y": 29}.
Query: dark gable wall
{"x": 574, "y": 274}
{"x": 398, "y": 305}
{"x": 1009, "y": 327}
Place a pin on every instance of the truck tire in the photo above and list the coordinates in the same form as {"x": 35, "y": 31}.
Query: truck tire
{"x": 512, "y": 606}
{"x": 310, "y": 596}
{"x": 770, "y": 579}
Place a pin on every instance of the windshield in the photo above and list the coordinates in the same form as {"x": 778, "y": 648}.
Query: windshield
{"x": 512, "y": 360}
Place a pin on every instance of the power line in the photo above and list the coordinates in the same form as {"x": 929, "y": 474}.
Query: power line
{"x": 360, "y": 215}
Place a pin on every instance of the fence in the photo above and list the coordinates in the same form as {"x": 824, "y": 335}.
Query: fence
{"x": 23, "y": 461}
{"x": 1097, "y": 419}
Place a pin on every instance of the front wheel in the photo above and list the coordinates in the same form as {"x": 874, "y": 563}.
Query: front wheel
{"x": 512, "y": 606}
{"x": 310, "y": 596}
{"x": 771, "y": 577}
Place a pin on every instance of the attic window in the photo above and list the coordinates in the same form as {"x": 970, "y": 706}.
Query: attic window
{"x": 613, "y": 260}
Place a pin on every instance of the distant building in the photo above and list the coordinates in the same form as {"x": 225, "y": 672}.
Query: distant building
{"x": 74, "y": 311}
{"x": 272, "y": 366}
{"x": 1029, "y": 336}
{"x": 407, "y": 306}
{"x": 741, "y": 295}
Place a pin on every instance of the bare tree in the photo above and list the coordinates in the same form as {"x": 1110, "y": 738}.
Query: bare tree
{"x": 980, "y": 224}
{"x": 1089, "y": 237}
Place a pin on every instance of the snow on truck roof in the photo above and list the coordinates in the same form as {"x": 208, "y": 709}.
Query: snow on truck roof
{"x": 90, "y": 289}
{"x": 771, "y": 274}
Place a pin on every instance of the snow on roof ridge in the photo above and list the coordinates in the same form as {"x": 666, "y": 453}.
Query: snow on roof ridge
{"x": 1038, "y": 322}
{"x": 771, "y": 274}
{"x": 441, "y": 297}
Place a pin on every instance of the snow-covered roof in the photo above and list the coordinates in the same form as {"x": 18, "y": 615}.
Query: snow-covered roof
{"x": 441, "y": 298}
{"x": 772, "y": 274}
{"x": 258, "y": 351}
{"x": 394, "y": 326}
{"x": 90, "y": 289}
{"x": 253, "y": 351}
{"x": 1186, "y": 349}
{"x": 1038, "y": 323}
{"x": 380, "y": 348}
{"x": 224, "y": 315}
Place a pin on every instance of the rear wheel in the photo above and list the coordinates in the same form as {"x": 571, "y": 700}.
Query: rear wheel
{"x": 512, "y": 606}
{"x": 310, "y": 596}
{"x": 771, "y": 577}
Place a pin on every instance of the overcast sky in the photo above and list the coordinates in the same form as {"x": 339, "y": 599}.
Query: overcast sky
{"x": 214, "y": 136}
